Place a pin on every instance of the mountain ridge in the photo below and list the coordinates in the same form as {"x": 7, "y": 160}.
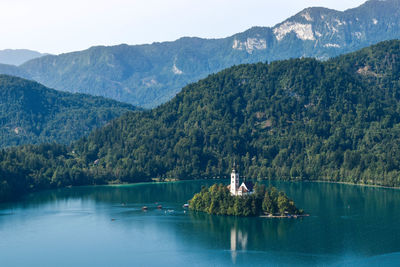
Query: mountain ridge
{"x": 17, "y": 57}
{"x": 150, "y": 74}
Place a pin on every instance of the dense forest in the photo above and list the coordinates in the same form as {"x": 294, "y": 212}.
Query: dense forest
{"x": 31, "y": 113}
{"x": 218, "y": 200}
{"x": 298, "y": 119}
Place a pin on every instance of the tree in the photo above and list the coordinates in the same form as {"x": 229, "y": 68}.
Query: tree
{"x": 267, "y": 204}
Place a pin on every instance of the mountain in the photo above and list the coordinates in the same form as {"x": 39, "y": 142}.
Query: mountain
{"x": 18, "y": 56}
{"x": 148, "y": 75}
{"x": 337, "y": 120}
{"x": 13, "y": 71}
{"x": 32, "y": 113}
{"x": 298, "y": 119}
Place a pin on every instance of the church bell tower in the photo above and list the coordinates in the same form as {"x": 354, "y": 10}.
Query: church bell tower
{"x": 234, "y": 180}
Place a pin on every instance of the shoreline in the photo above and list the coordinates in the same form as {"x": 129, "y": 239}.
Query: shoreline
{"x": 174, "y": 180}
{"x": 349, "y": 183}
{"x": 285, "y": 216}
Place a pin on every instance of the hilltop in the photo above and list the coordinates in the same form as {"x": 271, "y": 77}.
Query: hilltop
{"x": 30, "y": 113}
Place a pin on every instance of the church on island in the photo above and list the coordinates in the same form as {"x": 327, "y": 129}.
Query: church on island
{"x": 246, "y": 188}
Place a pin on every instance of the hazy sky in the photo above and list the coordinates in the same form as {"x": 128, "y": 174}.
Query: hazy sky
{"x": 57, "y": 26}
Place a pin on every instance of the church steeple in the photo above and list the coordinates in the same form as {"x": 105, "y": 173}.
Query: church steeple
{"x": 234, "y": 180}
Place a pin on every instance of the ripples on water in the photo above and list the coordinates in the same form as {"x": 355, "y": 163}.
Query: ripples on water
{"x": 106, "y": 226}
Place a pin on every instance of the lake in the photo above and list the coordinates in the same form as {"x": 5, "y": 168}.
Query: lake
{"x": 105, "y": 226}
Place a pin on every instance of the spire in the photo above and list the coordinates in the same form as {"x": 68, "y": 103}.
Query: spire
{"x": 234, "y": 186}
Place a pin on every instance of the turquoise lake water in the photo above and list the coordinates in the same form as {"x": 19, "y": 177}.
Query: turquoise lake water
{"x": 105, "y": 226}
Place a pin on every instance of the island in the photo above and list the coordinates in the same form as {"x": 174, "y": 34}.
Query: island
{"x": 269, "y": 202}
{"x": 244, "y": 200}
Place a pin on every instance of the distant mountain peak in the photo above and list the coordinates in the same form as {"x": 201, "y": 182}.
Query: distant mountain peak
{"x": 148, "y": 75}
{"x": 18, "y": 56}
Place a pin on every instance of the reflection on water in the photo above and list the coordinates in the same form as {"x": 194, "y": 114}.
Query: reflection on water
{"x": 238, "y": 242}
{"x": 106, "y": 226}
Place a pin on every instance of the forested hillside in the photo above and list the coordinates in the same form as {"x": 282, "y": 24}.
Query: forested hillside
{"x": 31, "y": 113}
{"x": 298, "y": 119}
{"x": 151, "y": 74}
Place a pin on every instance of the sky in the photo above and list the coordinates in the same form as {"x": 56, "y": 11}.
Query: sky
{"x": 59, "y": 26}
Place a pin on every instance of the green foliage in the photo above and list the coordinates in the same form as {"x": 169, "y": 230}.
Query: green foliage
{"x": 31, "y": 113}
{"x": 218, "y": 200}
{"x": 299, "y": 119}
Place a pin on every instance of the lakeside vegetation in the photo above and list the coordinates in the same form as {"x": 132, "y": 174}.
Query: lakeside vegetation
{"x": 299, "y": 119}
{"x": 218, "y": 200}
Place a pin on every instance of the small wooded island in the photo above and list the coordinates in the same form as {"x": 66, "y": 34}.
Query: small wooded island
{"x": 243, "y": 200}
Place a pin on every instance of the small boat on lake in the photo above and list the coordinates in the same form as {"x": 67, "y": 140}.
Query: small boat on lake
{"x": 144, "y": 208}
{"x": 186, "y": 205}
{"x": 159, "y": 207}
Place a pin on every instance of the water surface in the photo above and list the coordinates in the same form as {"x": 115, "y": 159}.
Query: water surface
{"x": 105, "y": 226}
